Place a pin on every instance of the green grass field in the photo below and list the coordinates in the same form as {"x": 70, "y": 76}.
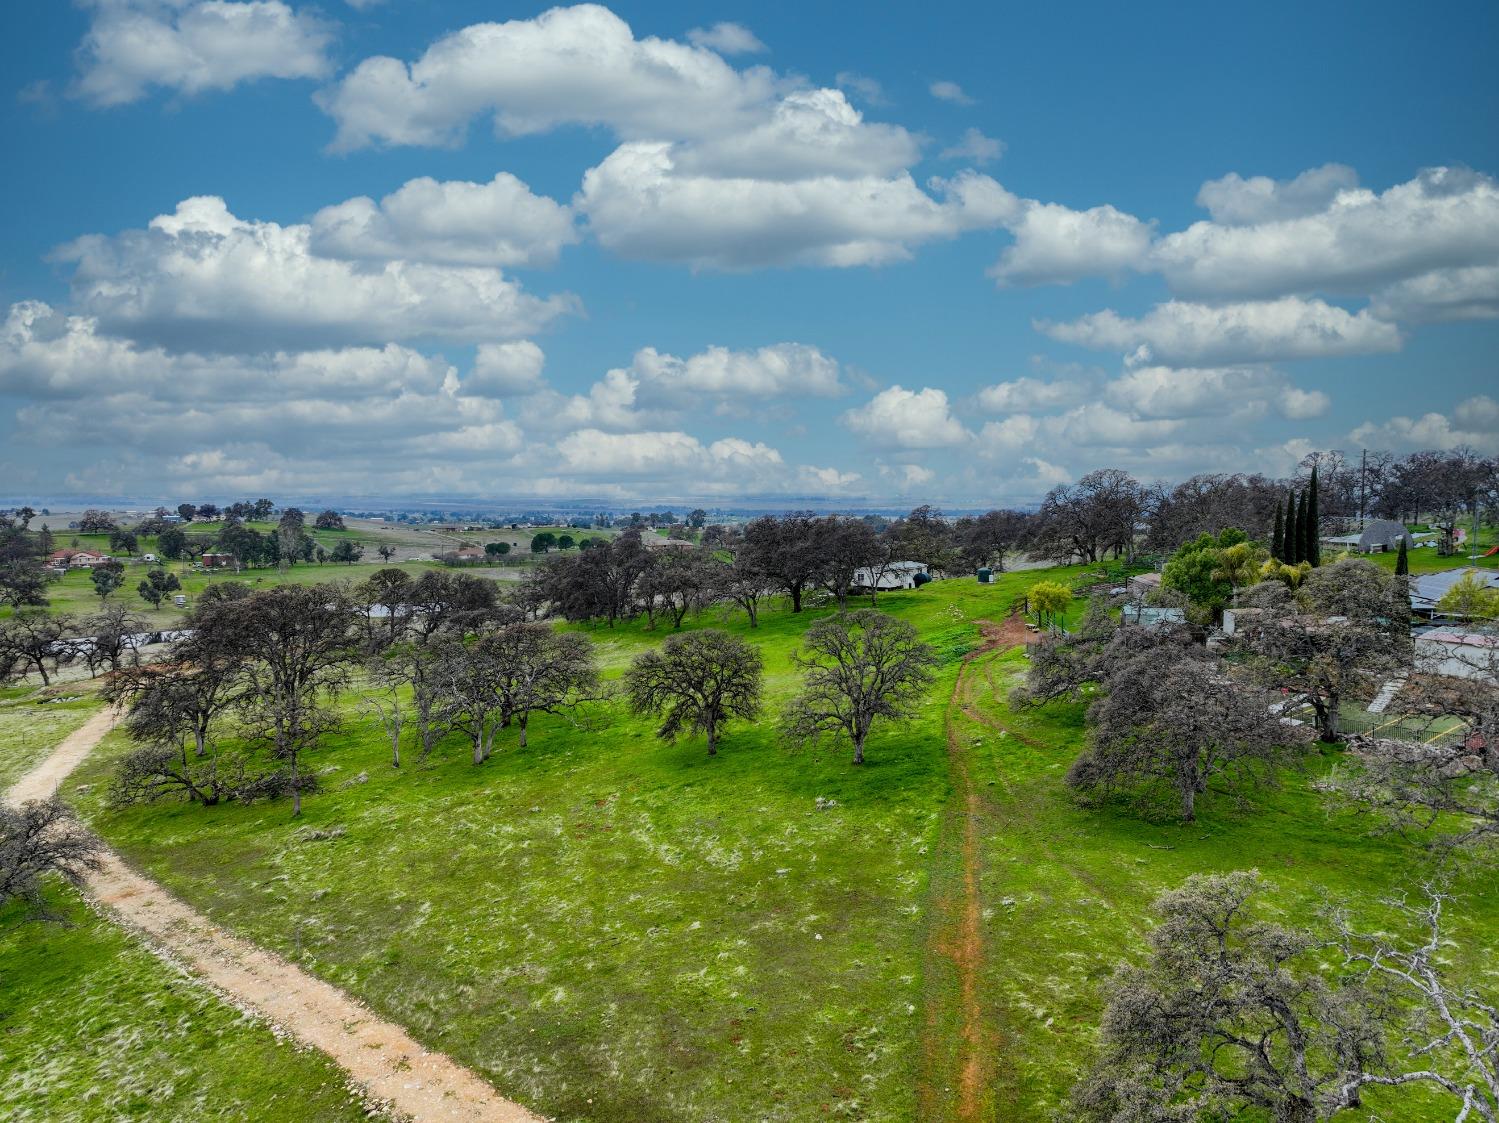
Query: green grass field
{"x": 95, "y": 1027}
{"x": 73, "y": 593}
{"x": 30, "y": 726}
{"x": 613, "y": 928}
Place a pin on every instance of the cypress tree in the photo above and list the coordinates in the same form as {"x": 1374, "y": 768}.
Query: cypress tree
{"x": 1402, "y": 562}
{"x": 1293, "y": 530}
{"x": 1277, "y": 538}
{"x": 1313, "y": 523}
{"x": 1303, "y": 509}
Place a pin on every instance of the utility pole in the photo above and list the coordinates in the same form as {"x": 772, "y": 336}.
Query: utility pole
{"x": 1363, "y": 482}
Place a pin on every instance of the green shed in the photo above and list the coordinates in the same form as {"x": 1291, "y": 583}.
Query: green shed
{"x": 986, "y": 575}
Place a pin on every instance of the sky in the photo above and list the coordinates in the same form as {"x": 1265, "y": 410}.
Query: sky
{"x": 394, "y": 249}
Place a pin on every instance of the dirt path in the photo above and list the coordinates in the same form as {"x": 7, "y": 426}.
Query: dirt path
{"x": 378, "y": 1056}
{"x": 954, "y": 1079}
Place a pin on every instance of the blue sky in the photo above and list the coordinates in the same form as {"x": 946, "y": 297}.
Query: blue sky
{"x": 958, "y": 255}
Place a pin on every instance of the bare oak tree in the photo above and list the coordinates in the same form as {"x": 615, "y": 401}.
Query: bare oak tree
{"x": 39, "y": 838}
{"x": 1174, "y": 719}
{"x": 859, "y": 667}
{"x": 696, "y": 681}
{"x": 1228, "y": 1014}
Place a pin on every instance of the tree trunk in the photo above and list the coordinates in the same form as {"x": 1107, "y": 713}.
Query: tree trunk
{"x": 524, "y": 720}
{"x": 712, "y": 738}
{"x": 796, "y": 598}
{"x": 859, "y": 749}
{"x": 754, "y": 616}
{"x": 478, "y": 747}
{"x": 200, "y": 740}
{"x": 1189, "y": 803}
{"x": 296, "y": 789}
{"x": 395, "y": 749}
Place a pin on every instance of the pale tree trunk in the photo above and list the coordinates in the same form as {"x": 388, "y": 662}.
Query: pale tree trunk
{"x": 525, "y": 718}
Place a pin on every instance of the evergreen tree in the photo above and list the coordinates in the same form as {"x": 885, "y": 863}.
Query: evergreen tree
{"x": 1313, "y": 547}
{"x": 1277, "y": 539}
{"x": 1303, "y": 509}
{"x": 1402, "y": 561}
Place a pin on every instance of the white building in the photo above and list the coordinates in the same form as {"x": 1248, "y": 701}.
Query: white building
{"x": 1459, "y": 653}
{"x": 893, "y": 575}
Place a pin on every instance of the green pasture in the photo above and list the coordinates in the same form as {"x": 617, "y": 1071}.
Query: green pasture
{"x": 614, "y": 928}
{"x": 93, "y": 1027}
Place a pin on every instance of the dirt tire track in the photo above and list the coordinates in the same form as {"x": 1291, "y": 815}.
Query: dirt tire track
{"x": 379, "y": 1056}
{"x": 953, "y": 1086}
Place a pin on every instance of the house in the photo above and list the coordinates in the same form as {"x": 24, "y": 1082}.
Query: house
{"x": 893, "y": 575}
{"x": 1142, "y": 583}
{"x": 86, "y": 559}
{"x": 1430, "y": 588}
{"x": 217, "y": 561}
{"x": 60, "y": 559}
{"x": 1460, "y": 652}
{"x": 1379, "y": 536}
{"x": 656, "y": 542}
{"x": 466, "y": 553}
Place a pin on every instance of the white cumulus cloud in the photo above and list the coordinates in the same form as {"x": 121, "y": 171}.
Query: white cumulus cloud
{"x": 726, "y": 38}
{"x": 898, "y": 418}
{"x": 450, "y": 223}
{"x": 202, "y": 279}
{"x": 194, "y": 46}
{"x": 1057, "y": 245}
{"x": 1180, "y": 333}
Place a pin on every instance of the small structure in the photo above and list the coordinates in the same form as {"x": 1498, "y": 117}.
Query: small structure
{"x": 985, "y": 575}
{"x": 217, "y": 561}
{"x": 893, "y": 575}
{"x": 1236, "y": 620}
{"x": 1149, "y": 616}
{"x": 467, "y": 553}
{"x": 1429, "y": 588}
{"x": 1459, "y": 652}
{"x": 1142, "y": 583}
{"x": 180, "y": 600}
{"x": 148, "y": 558}
{"x": 86, "y": 559}
{"x": 1379, "y": 536}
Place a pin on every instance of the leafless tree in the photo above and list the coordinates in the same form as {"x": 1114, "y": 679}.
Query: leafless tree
{"x": 741, "y": 583}
{"x": 465, "y": 679}
{"x": 1085, "y": 520}
{"x": 296, "y": 641}
{"x": 844, "y": 546}
{"x": 986, "y": 539}
{"x": 784, "y": 550}
{"x": 39, "y": 838}
{"x": 33, "y": 641}
{"x": 859, "y": 667}
{"x": 1228, "y": 1014}
{"x": 1173, "y": 720}
{"x": 697, "y": 682}
{"x": 677, "y": 583}
{"x": 414, "y": 662}
{"x": 541, "y": 671}
{"x": 1451, "y": 1030}
{"x": 110, "y": 636}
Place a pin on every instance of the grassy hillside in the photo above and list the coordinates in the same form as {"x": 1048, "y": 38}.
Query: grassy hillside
{"x": 31, "y": 724}
{"x": 94, "y": 1027}
{"x": 613, "y": 928}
